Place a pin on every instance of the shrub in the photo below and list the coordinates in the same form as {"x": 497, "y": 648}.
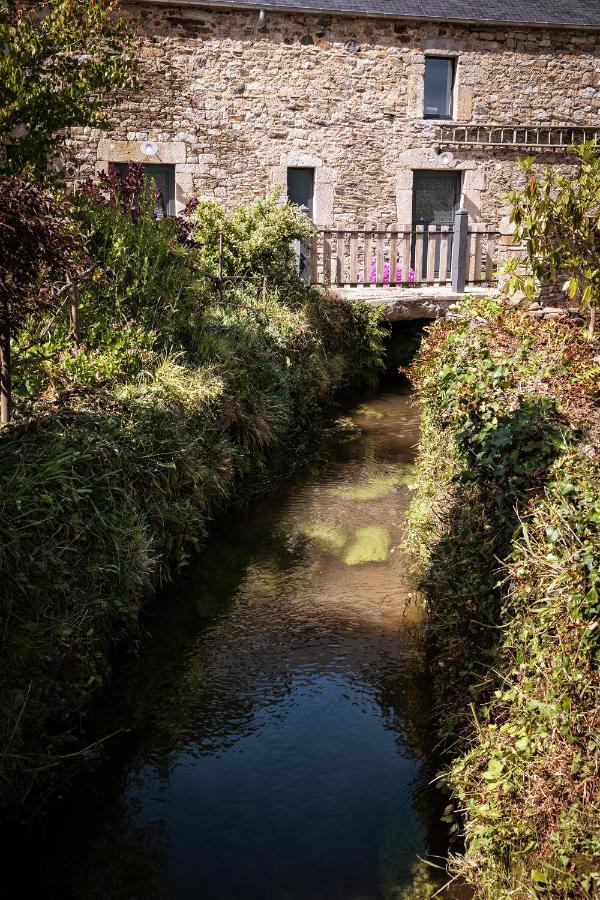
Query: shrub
{"x": 506, "y": 521}
{"x": 108, "y": 484}
{"x": 38, "y": 254}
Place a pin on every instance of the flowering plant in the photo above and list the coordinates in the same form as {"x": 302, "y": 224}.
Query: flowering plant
{"x": 386, "y": 274}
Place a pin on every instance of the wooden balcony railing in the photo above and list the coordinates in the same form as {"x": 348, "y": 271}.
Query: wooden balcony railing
{"x": 400, "y": 256}
{"x": 524, "y": 137}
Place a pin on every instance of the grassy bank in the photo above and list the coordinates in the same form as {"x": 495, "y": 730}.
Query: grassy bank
{"x": 507, "y": 525}
{"x": 123, "y": 447}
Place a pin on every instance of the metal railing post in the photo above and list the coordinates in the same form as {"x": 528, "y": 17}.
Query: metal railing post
{"x": 459, "y": 251}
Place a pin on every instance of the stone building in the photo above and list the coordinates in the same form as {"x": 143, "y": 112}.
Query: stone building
{"x": 368, "y": 111}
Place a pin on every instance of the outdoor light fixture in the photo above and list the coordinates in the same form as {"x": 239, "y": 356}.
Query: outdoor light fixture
{"x": 447, "y": 158}
{"x": 149, "y": 148}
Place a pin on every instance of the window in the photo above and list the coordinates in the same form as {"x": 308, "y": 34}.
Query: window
{"x": 300, "y": 188}
{"x": 164, "y": 179}
{"x": 435, "y": 197}
{"x": 439, "y": 87}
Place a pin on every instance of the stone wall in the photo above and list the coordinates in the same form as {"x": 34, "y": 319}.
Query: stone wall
{"x": 232, "y": 103}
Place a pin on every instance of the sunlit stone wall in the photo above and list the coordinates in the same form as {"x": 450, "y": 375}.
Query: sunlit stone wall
{"x": 232, "y": 104}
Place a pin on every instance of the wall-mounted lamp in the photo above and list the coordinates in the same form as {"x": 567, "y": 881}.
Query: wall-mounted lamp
{"x": 446, "y": 158}
{"x": 149, "y": 148}
{"x": 261, "y": 21}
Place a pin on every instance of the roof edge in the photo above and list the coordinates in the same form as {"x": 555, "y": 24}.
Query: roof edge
{"x": 319, "y": 11}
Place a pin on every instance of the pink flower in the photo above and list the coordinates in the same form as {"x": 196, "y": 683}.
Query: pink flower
{"x": 386, "y": 274}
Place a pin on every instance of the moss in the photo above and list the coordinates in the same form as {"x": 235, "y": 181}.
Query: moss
{"x": 371, "y": 544}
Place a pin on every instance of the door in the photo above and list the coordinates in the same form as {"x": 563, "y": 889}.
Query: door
{"x": 300, "y": 190}
{"x": 436, "y": 196}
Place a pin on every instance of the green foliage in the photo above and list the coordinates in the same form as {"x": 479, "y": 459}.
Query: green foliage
{"x": 142, "y": 272}
{"x": 126, "y": 444}
{"x": 558, "y": 217}
{"x": 257, "y": 241}
{"x": 62, "y": 63}
{"x": 38, "y": 253}
{"x": 507, "y": 525}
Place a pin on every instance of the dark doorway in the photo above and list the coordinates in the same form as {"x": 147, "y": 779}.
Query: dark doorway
{"x": 163, "y": 177}
{"x": 436, "y": 196}
{"x": 300, "y": 190}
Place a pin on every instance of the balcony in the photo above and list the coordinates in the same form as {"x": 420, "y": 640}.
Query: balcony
{"x": 523, "y": 137}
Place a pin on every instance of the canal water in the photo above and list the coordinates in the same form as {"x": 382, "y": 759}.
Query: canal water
{"x": 275, "y": 742}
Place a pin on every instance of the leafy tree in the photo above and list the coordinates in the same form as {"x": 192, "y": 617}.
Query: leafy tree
{"x": 39, "y": 258}
{"x": 558, "y": 217}
{"x": 60, "y": 64}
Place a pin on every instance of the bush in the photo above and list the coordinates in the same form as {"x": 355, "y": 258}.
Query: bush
{"x": 507, "y": 525}
{"x": 111, "y": 475}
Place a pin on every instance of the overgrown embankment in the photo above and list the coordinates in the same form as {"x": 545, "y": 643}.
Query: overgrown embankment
{"x": 507, "y": 522}
{"x": 125, "y": 444}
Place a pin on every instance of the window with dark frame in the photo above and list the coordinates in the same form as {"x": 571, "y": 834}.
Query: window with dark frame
{"x": 439, "y": 87}
{"x": 164, "y": 180}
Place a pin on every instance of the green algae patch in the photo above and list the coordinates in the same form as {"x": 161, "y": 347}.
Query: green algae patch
{"x": 376, "y": 488}
{"x": 331, "y": 537}
{"x": 365, "y": 410}
{"x": 373, "y": 489}
{"x": 371, "y": 544}
{"x": 406, "y": 475}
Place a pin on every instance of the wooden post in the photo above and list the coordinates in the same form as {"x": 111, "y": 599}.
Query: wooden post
{"x": 75, "y": 316}
{"x": 354, "y": 257}
{"x": 326, "y": 275}
{"x": 432, "y": 243}
{"x": 340, "y": 255}
{"x": 444, "y": 255}
{"x": 419, "y": 241}
{"x": 459, "y": 251}
{"x": 5, "y": 372}
{"x": 393, "y": 255}
{"x": 220, "y": 282}
{"x": 380, "y": 255}
{"x": 313, "y": 261}
{"x": 406, "y": 253}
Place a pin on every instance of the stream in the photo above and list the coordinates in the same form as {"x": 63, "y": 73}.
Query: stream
{"x": 273, "y": 733}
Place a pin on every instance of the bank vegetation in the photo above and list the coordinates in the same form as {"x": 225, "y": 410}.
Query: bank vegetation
{"x": 169, "y": 369}
{"x": 507, "y": 526}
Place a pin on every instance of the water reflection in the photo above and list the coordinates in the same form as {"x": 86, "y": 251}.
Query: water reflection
{"x": 278, "y": 708}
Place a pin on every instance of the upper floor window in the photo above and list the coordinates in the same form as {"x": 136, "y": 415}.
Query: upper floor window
{"x": 439, "y": 87}
{"x": 164, "y": 182}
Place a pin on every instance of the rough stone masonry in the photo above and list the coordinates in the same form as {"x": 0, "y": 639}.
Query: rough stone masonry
{"x": 233, "y": 102}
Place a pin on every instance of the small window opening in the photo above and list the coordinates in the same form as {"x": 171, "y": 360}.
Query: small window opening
{"x": 439, "y": 87}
